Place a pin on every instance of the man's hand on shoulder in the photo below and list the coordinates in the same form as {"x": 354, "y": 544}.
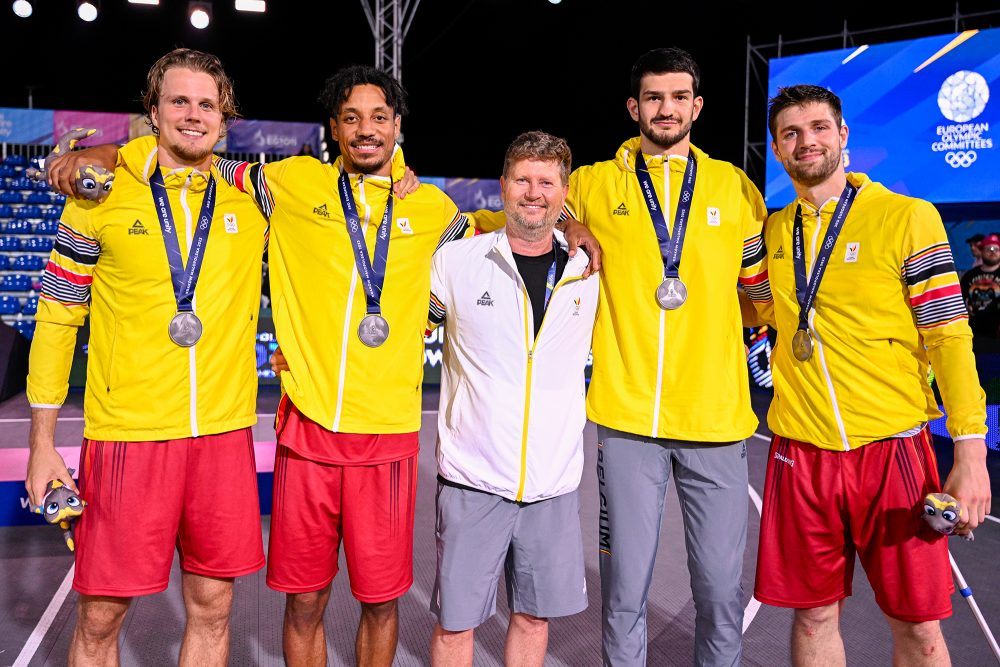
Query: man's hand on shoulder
{"x": 406, "y": 185}
{"x": 578, "y": 236}
{"x": 969, "y": 483}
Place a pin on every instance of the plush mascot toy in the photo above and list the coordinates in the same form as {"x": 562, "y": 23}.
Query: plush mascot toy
{"x": 942, "y": 513}
{"x": 92, "y": 182}
{"x": 62, "y": 506}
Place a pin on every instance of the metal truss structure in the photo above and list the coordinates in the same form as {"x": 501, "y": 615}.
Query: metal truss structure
{"x": 390, "y": 21}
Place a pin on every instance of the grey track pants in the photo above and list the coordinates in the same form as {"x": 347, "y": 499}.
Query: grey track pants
{"x": 711, "y": 482}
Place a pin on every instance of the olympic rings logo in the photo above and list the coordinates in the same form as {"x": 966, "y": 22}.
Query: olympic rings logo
{"x": 686, "y": 198}
{"x": 960, "y": 158}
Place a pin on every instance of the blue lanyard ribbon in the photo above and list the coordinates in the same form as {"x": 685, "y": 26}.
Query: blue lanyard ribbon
{"x": 372, "y": 272}
{"x": 550, "y": 279}
{"x": 184, "y": 278}
{"x": 670, "y": 248}
{"x": 805, "y": 290}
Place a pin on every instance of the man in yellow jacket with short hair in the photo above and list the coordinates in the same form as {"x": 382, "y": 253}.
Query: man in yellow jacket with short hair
{"x": 169, "y": 272}
{"x": 865, "y": 298}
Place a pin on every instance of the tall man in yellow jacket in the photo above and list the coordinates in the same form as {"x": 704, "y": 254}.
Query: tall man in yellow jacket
{"x": 169, "y": 272}
{"x": 865, "y": 297}
{"x": 669, "y": 390}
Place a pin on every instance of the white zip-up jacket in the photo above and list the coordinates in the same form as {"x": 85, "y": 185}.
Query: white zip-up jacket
{"x": 512, "y": 404}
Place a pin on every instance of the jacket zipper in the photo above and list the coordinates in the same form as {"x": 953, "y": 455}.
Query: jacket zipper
{"x": 657, "y": 397}
{"x": 192, "y": 366}
{"x": 347, "y": 313}
{"x": 819, "y": 348}
{"x": 529, "y": 346}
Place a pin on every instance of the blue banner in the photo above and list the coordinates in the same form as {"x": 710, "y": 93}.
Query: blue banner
{"x": 266, "y": 136}
{"x": 920, "y": 114}
{"x": 26, "y": 126}
{"x": 473, "y": 194}
{"x": 15, "y": 510}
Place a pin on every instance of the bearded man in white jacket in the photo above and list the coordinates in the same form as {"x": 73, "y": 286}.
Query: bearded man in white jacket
{"x": 520, "y": 317}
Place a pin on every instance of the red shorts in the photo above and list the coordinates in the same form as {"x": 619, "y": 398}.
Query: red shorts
{"x": 370, "y": 508}
{"x": 312, "y": 441}
{"x": 822, "y": 506}
{"x": 146, "y": 498}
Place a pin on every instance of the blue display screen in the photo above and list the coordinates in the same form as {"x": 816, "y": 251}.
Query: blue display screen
{"x": 923, "y": 115}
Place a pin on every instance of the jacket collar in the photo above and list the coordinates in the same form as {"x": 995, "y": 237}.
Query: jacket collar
{"x": 398, "y": 169}
{"x": 175, "y": 178}
{"x": 625, "y": 157}
{"x": 859, "y": 180}
{"x": 574, "y": 266}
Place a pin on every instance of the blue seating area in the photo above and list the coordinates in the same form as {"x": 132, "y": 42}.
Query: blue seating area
{"x": 29, "y": 216}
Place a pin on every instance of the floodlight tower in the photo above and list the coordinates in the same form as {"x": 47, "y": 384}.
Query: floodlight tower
{"x": 390, "y": 21}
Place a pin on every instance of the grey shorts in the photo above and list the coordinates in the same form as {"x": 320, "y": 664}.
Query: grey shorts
{"x": 538, "y": 546}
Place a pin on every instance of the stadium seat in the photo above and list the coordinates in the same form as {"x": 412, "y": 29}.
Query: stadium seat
{"x": 38, "y": 198}
{"x": 10, "y": 197}
{"x": 28, "y": 212}
{"x": 25, "y": 327}
{"x": 30, "y": 305}
{"x": 22, "y": 183}
{"x": 16, "y": 282}
{"x": 29, "y": 263}
{"x": 38, "y": 243}
{"x": 19, "y": 226}
{"x": 52, "y": 213}
{"x": 10, "y": 243}
{"x": 7, "y": 171}
{"x": 9, "y": 305}
{"x": 48, "y": 224}
{"x": 16, "y": 161}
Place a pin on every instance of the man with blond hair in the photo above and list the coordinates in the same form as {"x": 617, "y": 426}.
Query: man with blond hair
{"x": 167, "y": 459}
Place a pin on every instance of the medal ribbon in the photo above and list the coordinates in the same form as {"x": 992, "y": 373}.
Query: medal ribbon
{"x": 184, "y": 279}
{"x": 670, "y": 248}
{"x": 805, "y": 290}
{"x": 372, "y": 273}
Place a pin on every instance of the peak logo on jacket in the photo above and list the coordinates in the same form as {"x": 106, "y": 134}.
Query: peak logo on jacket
{"x": 485, "y": 300}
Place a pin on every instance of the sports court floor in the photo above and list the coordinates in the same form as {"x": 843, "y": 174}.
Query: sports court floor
{"x": 37, "y": 605}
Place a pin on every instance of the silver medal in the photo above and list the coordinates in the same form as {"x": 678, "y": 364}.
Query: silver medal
{"x": 802, "y": 345}
{"x": 671, "y": 294}
{"x": 373, "y": 330}
{"x": 185, "y": 329}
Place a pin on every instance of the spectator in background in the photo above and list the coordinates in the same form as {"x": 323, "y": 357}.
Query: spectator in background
{"x": 973, "y": 242}
{"x": 306, "y": 149}
{"x": 981, "y": 288}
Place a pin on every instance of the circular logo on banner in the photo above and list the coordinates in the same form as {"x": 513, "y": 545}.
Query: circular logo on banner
{"x": 963, "y": 96}
{"x": 960, "y": 158}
